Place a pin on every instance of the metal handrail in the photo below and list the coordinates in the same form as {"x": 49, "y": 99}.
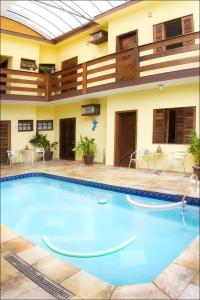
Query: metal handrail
{"x": 193, "y": 176}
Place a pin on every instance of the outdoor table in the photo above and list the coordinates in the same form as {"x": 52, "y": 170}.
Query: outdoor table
{"x": 26, "y": 156}
{"x": 155, "y": 155}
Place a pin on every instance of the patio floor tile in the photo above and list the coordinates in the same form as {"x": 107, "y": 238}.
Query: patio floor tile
{"x": 33, "y": 254}
{"x": 191, "y": 292}
{"x": 14, "y": 287}
{"x": 17, "y": 244}
{"x": 196, "y": 279}
{"x": 174, "y": 280}
{"x": 87, "y": 286}
{"x": 7, "y": 270}
{"x": 6, "y": 233}
{"x": 139, "y": 291}
{"x": 55, "y": 268}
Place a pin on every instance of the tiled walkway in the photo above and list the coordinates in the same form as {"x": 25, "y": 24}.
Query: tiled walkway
{"x": 173, "y": 183}
{"x": 179, "y": 281}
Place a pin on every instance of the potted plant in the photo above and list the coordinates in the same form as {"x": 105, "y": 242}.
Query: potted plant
{"x": 40, "y": 140}
{"x": 194, "y": 149}
{"x": 87, "y": 148}
{"x": 43, "y": 70}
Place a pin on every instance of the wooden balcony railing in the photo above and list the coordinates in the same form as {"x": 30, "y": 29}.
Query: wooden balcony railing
{"x": 147, "y": 63}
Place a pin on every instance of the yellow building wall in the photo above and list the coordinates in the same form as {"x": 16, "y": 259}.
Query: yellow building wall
{"x": 46, "y": 113}
{"x": 144, "y": 102}
{"x": 14, "y": 113}
{"x": 17, "y": 48}
{"x": 136, "y": 18}
{"x": 25, "y": 112}
{"x": 84, "y": 124}
{"x": 8, "y": 24}
{"x": 48, "y": 55}
{"x": 80, "y": 46}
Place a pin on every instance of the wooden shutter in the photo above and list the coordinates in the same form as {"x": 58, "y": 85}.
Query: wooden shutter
{"x": 187, "y": 27}
{"x": 179, "y": 133}
{"x": 159, "y": 35}
{"x": 189, "y": 122}
{"x": 185, "y": 124}
{"x": 158, "y": 126}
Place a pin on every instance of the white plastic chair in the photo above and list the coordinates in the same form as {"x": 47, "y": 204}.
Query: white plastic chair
{"x": 39, "y": 153}
{"x": 140, "y": 157}
{"x": 12, "y": 155}
{"x": 177, "y": 156}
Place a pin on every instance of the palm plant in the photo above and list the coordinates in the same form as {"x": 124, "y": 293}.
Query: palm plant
{"x": 87, "y": 148}
{"x": 194, "y": 149}
{"x": 41, "y": 141}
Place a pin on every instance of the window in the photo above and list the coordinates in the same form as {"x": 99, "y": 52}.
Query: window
{"x": 25, "y": 125}
{"x": 47, "y": 68}
{"x": 28, "y": 64}
{"x": 45, "y": 125}
{"x": 173, "y": 28}
{"x": 173, "y": 125}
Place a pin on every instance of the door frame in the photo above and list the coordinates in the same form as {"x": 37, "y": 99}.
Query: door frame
{"x": 116, "y": 130}
{"x": 125, "y": 35}
{"x": 60, "y": 135}
{"x": 9, "y": 133}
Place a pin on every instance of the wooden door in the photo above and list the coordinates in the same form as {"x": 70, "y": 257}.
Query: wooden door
{"x": 3, "y": 65}
{"x": 67, "y": 138}
{"x": 5, "y": 140}
{"x": 127, "y": 66}
{"x": 125, "y": 137}
{"x": 67, "y": 64}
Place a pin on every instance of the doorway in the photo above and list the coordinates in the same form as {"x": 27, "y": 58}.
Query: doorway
{"x": 67, "y": 138}
{"x": 125, "y": 136}
{"x": 72, "y": 81}
{"x": 3, "y": 65}
{"x": 127, "y": 66}
{"x": 5, "y": 140}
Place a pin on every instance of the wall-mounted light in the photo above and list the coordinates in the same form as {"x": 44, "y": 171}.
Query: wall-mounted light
{"x": 149, "y": 13}
{"x": 161, "y": 86}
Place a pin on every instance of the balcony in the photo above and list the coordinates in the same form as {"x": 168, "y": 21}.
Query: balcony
{"x": 136, "y": 67}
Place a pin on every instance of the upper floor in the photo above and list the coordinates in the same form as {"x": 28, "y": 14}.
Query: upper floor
{"x": 140, "y": 44}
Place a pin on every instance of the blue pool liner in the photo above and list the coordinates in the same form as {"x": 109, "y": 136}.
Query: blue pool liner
{"x": 125, "y": 190}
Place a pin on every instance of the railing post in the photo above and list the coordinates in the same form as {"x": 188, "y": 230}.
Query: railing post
{"x": 48, "y": 87}
{"x": 84, "y": 79}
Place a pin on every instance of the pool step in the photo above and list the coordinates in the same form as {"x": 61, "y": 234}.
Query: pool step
{"x": 40, "y": 279}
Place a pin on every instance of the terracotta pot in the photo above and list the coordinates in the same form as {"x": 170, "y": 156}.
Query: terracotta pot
{"x": 196, "y": 170}
{"x": 88, "y": 159}
{"x": 48, "y": 155}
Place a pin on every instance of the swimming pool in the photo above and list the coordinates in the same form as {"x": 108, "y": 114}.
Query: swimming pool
{"x": 70, "y": 215}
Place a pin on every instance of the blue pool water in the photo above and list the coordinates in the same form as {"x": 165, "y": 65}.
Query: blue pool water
{"x": 71, "y": 217}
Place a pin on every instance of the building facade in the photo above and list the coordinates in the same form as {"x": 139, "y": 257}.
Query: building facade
{"x": 140, "y": 70}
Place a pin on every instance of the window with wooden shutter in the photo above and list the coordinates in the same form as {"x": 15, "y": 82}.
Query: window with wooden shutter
{"x": 158, "y": 126}
{"x": 188, "y": 27}
{"x": 173, "y": 28}
{"x": 173, "y": 125}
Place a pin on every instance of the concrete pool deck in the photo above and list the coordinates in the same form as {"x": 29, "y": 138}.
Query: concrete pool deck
{"x": 180, "y": 280}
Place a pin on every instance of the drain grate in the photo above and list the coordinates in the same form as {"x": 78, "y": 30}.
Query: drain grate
{"x": 40, "y": 279}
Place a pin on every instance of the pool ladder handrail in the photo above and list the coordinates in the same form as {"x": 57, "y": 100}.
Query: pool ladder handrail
{"x": 193, "y": 176}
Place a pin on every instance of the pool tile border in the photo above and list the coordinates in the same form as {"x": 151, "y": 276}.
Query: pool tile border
{"x": 115, "y": 188}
